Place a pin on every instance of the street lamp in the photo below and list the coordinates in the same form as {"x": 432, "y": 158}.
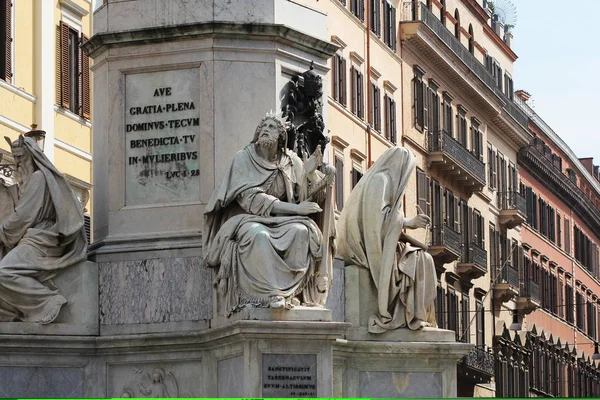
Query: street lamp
{"x": 38, "y": 135}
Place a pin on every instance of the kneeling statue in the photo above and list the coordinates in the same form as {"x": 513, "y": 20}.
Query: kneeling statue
{"x": 44, "y": 233}
{"x": 370, "y": 229}
{"x": 257, "y": 229}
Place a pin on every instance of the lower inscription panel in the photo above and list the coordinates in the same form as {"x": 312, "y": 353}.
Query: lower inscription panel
{"x": 289, "y": 375}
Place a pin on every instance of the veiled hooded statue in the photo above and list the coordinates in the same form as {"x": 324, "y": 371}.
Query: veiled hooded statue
{"x": 257, "y": 232}
{"x": 43, "y": 234}
{"x": 369, "y": 236}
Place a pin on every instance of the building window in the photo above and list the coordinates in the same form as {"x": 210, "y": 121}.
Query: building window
{"x": 471, "y": 40}
{"x": 491, "y": 166}
{"x": 480, "y": 324}
{"x": 448, "y": 115}
{"x": 358, "y": 103}
{"x": 423, "y": 201}
{"x": 443, "y": 12}
{"x": 339, "y": 79}
{"x": 419, "y": 100}
{"x": 558, "y": 231}
{"x": 580, "y": 311}
{"x": 6, "y": 40}
{"x": 567, "y": 236}
{"x": 375, "y": 107}
{"x": 570, "y": 316}
{"x": 440, "y": 307}
{"x": 390, "y": 119}
{"x": 457, "y": 24}
{"x": 74, "y": 88}
{"x": 375, "y": 17}
{"x": 339, "y": 183}
{"x": 452, "y": 310}
{"x": 357, "y": 7}
{"x": 476, "y": 139}
{"x": 508, "y": 86}
{"x": 465, "y": 330}
{"x": 389, "y": 25}
{"x": 461, "y": 123}
{"x": 356, "y": 176}
{"x": 433, "y": 103}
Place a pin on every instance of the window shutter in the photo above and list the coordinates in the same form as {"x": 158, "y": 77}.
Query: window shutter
{"x": 85, "y": 81}
{"x": 64, "y": 65}
{"x": 353, "y": 103}
{"x": 424, "y": 96}
{"x": 393, "y": 24}
{"x": 8, "y": 42}
{"x": 456, "y": 210}
{"x": 361, "y": 10}
{"x": 335, "y": 77}
{"x": 87, "y": 224}
{"x": 393, "y": 121}
{"x": 361, "y": 101}
{"x": 342, "y": 86}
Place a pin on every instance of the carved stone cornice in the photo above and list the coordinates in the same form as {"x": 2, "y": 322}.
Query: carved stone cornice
{"x": 562, "y": 187}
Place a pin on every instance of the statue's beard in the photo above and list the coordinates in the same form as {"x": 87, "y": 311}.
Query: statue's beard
{"x": 267, "y": 141}
{"x": 23, "y": 174}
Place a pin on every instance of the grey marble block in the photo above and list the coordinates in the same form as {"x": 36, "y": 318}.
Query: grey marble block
{"x": 41, "y": 382}
{"x": 400, "y": 384}
{"x": 230, "y": 377}
{"x": 335, "y": 300}
{"x": 155, "y": 291}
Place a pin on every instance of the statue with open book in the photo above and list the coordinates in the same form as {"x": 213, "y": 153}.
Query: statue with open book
{"x": 268, "y": 227}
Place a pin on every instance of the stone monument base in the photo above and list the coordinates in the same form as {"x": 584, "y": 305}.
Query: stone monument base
{"x": 396, "y": 369}
{"x": 243, "y": 359}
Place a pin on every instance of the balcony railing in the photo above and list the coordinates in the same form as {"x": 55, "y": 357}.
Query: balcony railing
{"x": 512, "y": 201}
{"x": 422, "y": 13}
{"x": 442, "y": 142}
{"x": 481, "y": 361}
{"x": 444, "y": 236}
{"x": 508, "y": 274}
{"x": 531, "y": 289}
{"x": 473, "y": 254}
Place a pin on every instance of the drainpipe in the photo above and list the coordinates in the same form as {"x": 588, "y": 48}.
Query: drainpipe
{"x": 368, "y": 74}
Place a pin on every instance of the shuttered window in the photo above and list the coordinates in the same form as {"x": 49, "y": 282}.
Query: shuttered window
{"x": 480, "y": 324}
{"x": 420, "y": 100}
{"x": 74, "y": 72}
{"x": 389, "y": 25}
{"x": 358, "y": 103}
{"x": 390, "y": 119}
{"x": 338, "y": 74}
{"x": 567, "y": 236}
{"x": 476, "y": 140}
{"x": 6, "y": 40}
{"x": 423, "y": 193}
{"x": 491, "y": 167}
{"x": 339, "y": 183}
{"x": 375, "y": 17}
{"x": 462, "y": 125}
{"x": 375, "y": 107}
{"x": 357, "y": 7}
{"x": 356, "y": 176}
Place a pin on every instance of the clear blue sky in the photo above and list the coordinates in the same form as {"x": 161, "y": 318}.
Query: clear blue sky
{"x": 558, "y": 45}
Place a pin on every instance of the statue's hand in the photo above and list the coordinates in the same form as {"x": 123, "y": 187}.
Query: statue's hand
{"x": 307, "y": 208}
{"x": 314, "y": 161}
{"x": 420, "y": 221}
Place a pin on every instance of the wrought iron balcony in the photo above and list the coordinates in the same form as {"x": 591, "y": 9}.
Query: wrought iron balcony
{"x": 451, "y": 158}
{"x": 478, "y": 366}
{"x": 417, "y": 14}
{"x": 529, "y": 298}
{"x": 445, "y": 244}
{"x": 473, "y": 263}
{"x": 513, "y": 209}
{"x": 506, "y": 281}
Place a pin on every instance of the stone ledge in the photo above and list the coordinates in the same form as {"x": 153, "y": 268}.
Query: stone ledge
{"x": 252, "y": 31}
{"x": 32, "y": 328}
{"x": 425, "y": 335}
{"x": 269, "y": 314}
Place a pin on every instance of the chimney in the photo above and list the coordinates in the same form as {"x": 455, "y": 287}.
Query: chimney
{"x": 523, "y": 95}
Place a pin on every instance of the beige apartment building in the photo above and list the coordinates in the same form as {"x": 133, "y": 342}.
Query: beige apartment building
{"x": 436, "y": 77}
{"x": 45, "y": 80}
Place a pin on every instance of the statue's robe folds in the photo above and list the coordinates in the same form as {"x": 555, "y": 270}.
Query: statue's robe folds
{"x": 258, "y": 255}
{"x": 369, "y": 232}
{"x": 44, "y": 234}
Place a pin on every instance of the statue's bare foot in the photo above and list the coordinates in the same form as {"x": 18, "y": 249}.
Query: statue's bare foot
{"x": 277, "y": 303}
{"x": 424, "y": 324}
{"x": 51, "y": 315}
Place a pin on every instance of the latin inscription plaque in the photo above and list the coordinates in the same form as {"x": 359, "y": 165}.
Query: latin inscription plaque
{"x": 289, "y": 375}
{"x": 162, "y": 144}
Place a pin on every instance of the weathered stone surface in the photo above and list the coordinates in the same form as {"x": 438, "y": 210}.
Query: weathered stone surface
{"x": 400, "y": 384}
{"x": 335, "y": 300}
{"x": 57, "y": 382}
{"x": 155, "y": 291}
{"x": 230, "y": 377}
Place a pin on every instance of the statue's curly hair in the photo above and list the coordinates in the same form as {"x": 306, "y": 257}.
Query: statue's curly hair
{"x": 281, "y": 128}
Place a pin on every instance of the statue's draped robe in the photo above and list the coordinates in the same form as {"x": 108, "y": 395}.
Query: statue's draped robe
{"x": 369, "y": 233}
{"x": 259, "y": 255}
{"x": 44, "y": 234}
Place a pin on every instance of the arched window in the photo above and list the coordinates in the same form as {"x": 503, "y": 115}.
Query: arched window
{"x": 471, "y": 40}
{"x": 443, "y": 12}
{"x": 457, "y": 25}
